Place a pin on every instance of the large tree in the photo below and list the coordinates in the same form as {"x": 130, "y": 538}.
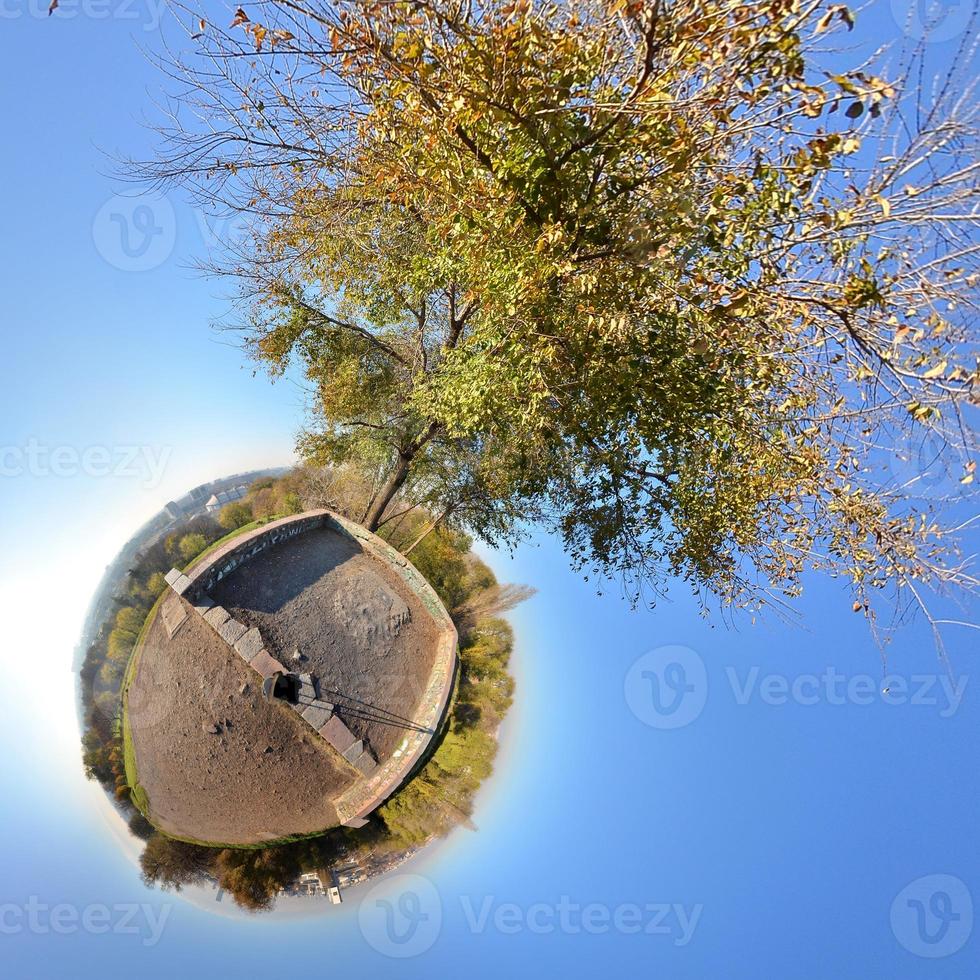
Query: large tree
{"x": 662, "y": 274}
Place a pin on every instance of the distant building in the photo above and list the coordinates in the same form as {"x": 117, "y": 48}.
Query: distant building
{"x": 333, "y": 893}
{"x": 310, "y": 884}
{"x": 218, "y": 500}
{"x": 173, "y": 509}
{"x": 199, "y": 493}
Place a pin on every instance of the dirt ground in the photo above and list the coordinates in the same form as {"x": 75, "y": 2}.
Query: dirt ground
{"x": 360, "y": 631}
{"x": 264, "y": 774}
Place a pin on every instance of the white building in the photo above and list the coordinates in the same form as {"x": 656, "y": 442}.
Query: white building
{"x": 218, "y": 500}
{"x": 310, "y": 883}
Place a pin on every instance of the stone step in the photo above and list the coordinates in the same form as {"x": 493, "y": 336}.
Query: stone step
{"x": 177, "y": 580}
{"x": 174, "y": 615}
{"x": 338, "y": 734}
{"x": 366, "y": 763}
{"x": 216, "y": 615}
{"x": 231, "y": 631}
{"x": 317, "y": 716}
{"x": 249, "y": 645}
{"x": 266, "y": 665}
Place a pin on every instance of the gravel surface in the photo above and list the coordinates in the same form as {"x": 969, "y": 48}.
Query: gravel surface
{"x": 360, "y": 631}
{"x": 217, "y": 762}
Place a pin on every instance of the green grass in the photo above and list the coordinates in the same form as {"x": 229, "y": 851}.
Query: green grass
{"x": 138, "y": 794}
{"x": 290, "y": 839}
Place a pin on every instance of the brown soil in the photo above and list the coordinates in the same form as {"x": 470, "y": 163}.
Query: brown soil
{"x": 345, "y": 612}
{"x": 264, "y": 775}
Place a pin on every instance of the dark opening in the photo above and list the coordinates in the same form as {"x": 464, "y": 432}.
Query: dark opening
{"x": 282, "y": 686}
{"x": 287, "y": 688}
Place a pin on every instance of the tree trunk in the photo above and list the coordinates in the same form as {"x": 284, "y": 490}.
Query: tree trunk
{"x": 396, "y": 478}
{"x": 427, "y": 532}
{"x": 388, "y": 490}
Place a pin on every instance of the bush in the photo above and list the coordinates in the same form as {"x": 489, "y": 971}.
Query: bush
{"x": 172, "y": 863}
{"x": 140, "y": 827}
{"x": 253, "y": 877}
{"x": 235, "y": 515}
{"x": 265, "y": 503}
{"x": 155, "y": 585}
{"x": 441, "y": 558}
{"x": 191, "y": 545}
{"x": 291, "y": 504}
{"x": 130, "y": 619}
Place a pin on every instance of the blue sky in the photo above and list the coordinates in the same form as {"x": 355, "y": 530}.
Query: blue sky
{"x": 768, "y": 833}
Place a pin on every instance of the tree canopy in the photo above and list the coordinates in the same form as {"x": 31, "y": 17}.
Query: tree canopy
{"x": 663, "y": 276}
